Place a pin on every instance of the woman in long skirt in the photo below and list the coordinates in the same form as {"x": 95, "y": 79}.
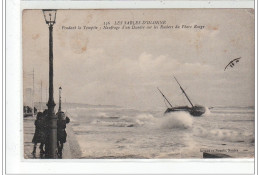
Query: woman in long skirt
{"x": 40, "y": 133}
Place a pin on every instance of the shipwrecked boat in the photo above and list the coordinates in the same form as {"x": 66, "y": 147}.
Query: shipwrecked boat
{"x": 194, "y": 110}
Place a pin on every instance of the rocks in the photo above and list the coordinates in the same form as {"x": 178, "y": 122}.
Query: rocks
{"x": 215, "y": 155}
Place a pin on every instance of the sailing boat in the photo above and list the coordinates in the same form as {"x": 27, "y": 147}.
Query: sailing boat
{"x": 194, "y": 110}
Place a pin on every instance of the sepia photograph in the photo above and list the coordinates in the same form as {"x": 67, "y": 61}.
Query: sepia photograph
{"x": 138, "y": 83}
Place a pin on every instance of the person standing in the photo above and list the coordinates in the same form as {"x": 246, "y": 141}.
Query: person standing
{"x": 39, "y": 134}
{"x": 62, "y": 135}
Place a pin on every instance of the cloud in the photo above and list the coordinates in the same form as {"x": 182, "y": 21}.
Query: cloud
{"x": 125, "y": 67}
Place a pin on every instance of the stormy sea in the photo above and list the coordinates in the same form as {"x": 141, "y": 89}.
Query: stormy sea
{"x": 110, "y": 132}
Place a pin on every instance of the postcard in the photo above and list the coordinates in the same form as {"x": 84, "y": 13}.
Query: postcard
{"x": 138, "y": 83}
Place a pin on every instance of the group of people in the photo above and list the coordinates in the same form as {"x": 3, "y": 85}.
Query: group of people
{"x": 28, "y": 109}
{"x": 41, "y": 134}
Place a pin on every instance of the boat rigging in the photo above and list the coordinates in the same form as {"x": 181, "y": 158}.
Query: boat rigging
{"x": 194, "y": 110}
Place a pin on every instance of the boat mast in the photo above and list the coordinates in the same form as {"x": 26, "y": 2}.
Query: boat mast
{"x": 183, "y": 91}
{"x": 46, "y": 94}
{"x": 59, "y": 99}
{"x": 165, "y": 97}
{"x": 41, "y": 96}
{"x": 33, "y": 96}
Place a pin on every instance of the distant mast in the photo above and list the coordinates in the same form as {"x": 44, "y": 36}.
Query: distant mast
{"x": 184, "y": 92}
{"x": 46, "y": 94}
{"x": 41, "y": 96}
{"x": 59, "y": 100}
{"x": 33, "y": 96}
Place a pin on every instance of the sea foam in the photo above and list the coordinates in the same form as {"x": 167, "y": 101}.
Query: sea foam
{"x": 180, "y": 120}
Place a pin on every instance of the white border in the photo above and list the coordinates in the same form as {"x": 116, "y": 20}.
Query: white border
{"x": 137, "y": 4}
{"x": 14, "y": 151}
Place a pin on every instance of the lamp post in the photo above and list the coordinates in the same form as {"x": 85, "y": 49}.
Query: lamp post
{"x": 51, "y": 144}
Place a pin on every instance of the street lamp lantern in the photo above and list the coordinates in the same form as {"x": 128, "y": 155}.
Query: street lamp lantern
{"x": 51, "y": 143}
{"x": 49, "y": 16}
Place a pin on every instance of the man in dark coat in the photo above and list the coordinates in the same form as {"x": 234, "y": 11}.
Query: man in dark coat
{"x": 61, "y": 132}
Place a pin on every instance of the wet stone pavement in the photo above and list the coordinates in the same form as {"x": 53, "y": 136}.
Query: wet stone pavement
{"x": 71, "y": 149}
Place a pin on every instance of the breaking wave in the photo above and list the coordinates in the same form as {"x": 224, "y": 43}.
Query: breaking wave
{"x": 140, "y": 119}
{"x": 207, "y": 112}
{"x": 180, "y": 120}
{"x": 102, "y": 115}
{"x": 105, "y": 119}
{"x": 223, "y": 135}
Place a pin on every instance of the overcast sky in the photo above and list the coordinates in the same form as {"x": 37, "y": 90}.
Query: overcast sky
{"x": 125, "y": 67}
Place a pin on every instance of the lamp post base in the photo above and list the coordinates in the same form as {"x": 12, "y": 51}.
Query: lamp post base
{"x": 51, "y": 145}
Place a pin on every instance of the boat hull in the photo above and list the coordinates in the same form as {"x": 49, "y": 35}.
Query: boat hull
{"x": 195, "y": 111}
